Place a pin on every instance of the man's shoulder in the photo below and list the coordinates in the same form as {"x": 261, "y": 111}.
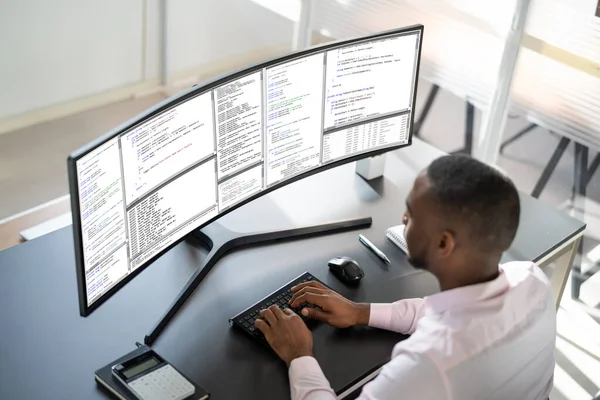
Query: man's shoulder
{"x": 452, "y": 337}
{"x": 519, "y": 272}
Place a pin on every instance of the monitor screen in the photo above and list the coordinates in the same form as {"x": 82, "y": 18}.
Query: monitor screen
{"x": 198, "y": 156}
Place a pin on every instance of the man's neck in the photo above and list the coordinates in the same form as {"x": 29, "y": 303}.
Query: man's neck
{"x": 468, "y": 273}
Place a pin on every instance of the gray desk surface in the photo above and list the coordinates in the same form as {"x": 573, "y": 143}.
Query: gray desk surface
{"x": 47, "y": 351}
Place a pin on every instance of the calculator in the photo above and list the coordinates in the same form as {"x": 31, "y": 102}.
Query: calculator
{"x": 149, "y": 377}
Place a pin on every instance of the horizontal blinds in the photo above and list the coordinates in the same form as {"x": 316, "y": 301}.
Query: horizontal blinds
{"x": 557, "y": 80}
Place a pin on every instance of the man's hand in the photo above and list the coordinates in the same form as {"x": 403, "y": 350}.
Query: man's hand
{"x": 337, "y": 310}
{"x": 286, "y": 333}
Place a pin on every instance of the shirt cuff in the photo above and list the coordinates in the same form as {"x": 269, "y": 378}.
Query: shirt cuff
{"x": 303, "y": 366}
{"x": 380, "y": 316}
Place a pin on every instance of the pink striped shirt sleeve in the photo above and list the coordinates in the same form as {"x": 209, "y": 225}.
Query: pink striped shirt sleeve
{"x": 401, "y": 316}
{"x": 307, "y": 380}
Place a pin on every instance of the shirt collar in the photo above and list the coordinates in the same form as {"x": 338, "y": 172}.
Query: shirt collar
{"x": 443, "y": 301}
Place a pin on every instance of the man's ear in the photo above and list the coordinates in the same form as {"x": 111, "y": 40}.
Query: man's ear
{"x": 446, "y": 244}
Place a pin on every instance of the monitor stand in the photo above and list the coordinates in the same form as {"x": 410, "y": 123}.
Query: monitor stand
{"x": 220, "y": 240}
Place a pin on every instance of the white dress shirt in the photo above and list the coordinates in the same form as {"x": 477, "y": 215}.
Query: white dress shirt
{"x": 493, "y": 340}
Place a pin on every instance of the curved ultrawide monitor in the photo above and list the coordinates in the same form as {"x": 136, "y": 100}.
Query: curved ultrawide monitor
{"x": 141, "y": 188}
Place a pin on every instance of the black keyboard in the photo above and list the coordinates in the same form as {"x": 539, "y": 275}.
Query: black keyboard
{"x": 281, "y": 297}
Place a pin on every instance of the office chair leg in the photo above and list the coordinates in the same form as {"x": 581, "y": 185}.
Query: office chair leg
{"x": 517, "y": 136}
{"x": 430, "y": 98}
{"x": 550, "y": 167}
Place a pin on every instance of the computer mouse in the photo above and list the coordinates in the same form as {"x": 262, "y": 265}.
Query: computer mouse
{"x": 346, "y": 269}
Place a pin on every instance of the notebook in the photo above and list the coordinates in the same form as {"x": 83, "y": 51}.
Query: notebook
{"x": 395, "y": 234}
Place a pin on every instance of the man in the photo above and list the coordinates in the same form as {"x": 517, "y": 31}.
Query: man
{"x": 489, "y": 333}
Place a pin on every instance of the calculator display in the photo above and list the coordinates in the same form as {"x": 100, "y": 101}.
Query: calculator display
{"x": 141, "y": 367}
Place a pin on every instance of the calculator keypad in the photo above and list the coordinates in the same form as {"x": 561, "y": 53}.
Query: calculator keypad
{"x": 164, "y": 383}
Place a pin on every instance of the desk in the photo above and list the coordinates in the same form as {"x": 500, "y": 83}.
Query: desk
{"x": 47, "y": 351}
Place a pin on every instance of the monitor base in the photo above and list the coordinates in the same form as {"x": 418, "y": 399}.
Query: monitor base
{"x": 220, "y": 240}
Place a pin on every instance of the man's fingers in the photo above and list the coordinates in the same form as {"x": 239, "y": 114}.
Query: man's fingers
{"x": 304, "y": 290}
{"x": 290, "y": 313}
{"x": 317, "y": 299}
{"x": 262, "y": 326}
{"x": 314, "y": 313}
{"x": 277, "y": 312}
{"x": 268, "y": 315}
{"x": 308, "y": 284}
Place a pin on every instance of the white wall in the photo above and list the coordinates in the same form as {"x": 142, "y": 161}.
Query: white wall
{"x": 152, "y": 29}
{"x": 586, "y": 7}
{"x": 57, "y": 52}
{"x": 201, "y": 32}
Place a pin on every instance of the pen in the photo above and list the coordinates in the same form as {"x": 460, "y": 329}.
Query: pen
{"x": 373, "y": 248}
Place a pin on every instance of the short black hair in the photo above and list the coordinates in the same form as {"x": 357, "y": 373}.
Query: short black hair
{"x": 478, "y": 196}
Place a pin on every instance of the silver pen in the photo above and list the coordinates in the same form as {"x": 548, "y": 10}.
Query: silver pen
{"x": 373, "y": 248}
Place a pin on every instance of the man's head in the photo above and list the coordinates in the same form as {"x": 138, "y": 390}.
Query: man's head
{"x": 460, "y": 211}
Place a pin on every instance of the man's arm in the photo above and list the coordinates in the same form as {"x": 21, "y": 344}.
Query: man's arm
{"x": 289, "y": 337}
{"x": 401, "y": 316}
{"x": 307, "y": 381}
{"x": 335, "y": 310}
{"x": 408, "y": 375}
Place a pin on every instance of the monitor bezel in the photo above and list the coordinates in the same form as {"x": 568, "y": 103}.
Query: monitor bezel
{"x": 173, "y": 101}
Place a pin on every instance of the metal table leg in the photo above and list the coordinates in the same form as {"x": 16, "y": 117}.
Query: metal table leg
{"x": 550, "y": 167}
{"x": 430, "y": 98}
{"x": 580, "y": 184}
{"x": 469, "y": 126}
{"x": 522, "y": 132}
{"x": 592, "y": 170}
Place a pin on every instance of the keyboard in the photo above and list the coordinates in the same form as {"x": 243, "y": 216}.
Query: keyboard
{"x": 281, "y": 297}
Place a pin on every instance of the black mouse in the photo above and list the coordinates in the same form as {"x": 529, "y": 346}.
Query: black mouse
{"x": 346, "y": 269}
